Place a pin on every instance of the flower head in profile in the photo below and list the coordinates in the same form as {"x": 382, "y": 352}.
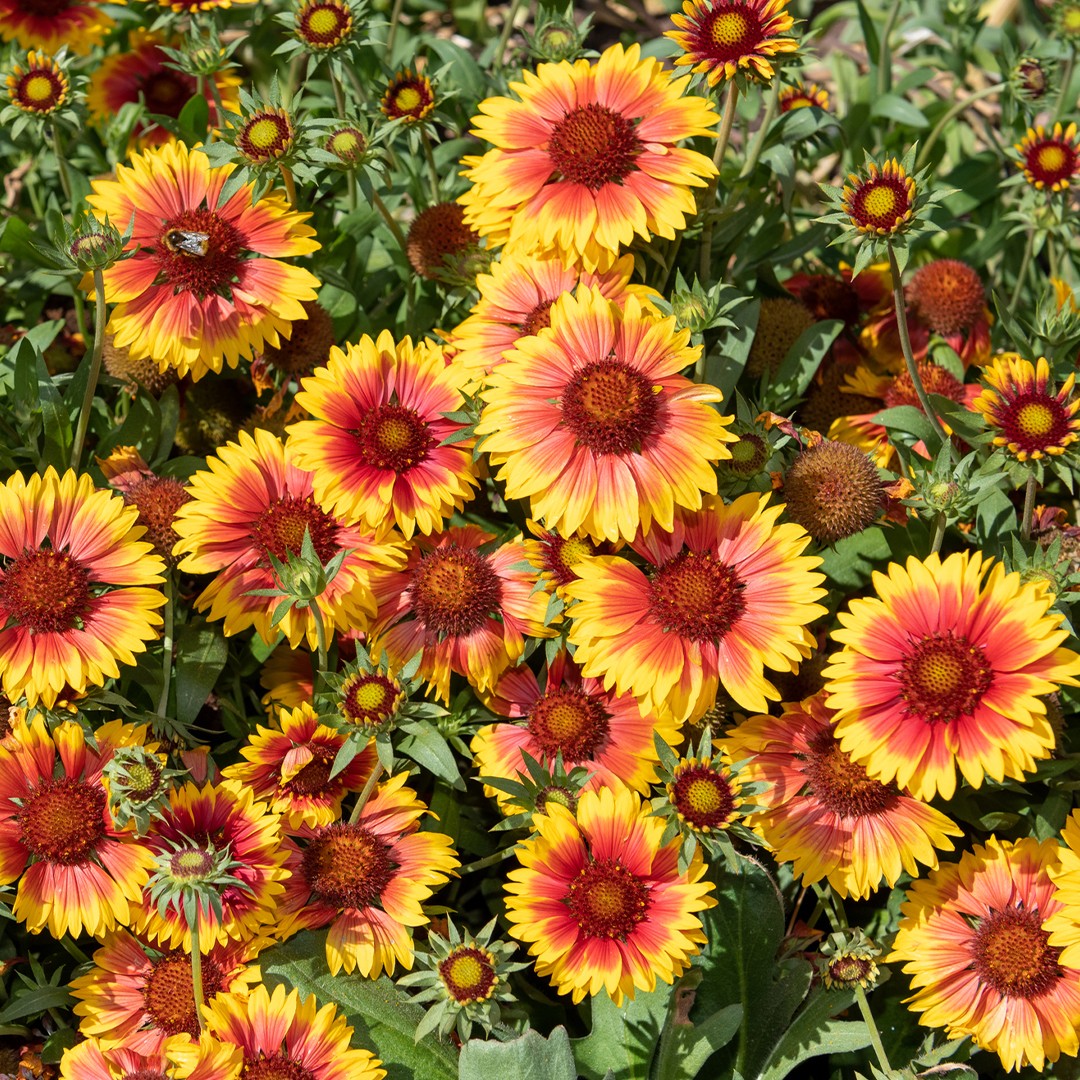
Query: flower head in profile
{"x": 408, "y": 97}
{"x": 972, "y": 938}
{"x": 49, "y": 25}
{"x": 1050, "y": 160}
{"x": 601, "y": 902}
{"x": 77, "y": 586}
{"x": 947, "y": 668}
{"x": 585, "y": 159}
{"x": 821, "y": 812}
{"x": 803, "y": 96}
{"x": 367, "y": 879}
{"x": 1025, "y": 414}
{"x": 726, "y": 38}
{"x": 205, "y": 285}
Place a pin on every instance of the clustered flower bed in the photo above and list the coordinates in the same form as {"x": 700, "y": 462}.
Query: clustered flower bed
{"x": 538, "y": 542}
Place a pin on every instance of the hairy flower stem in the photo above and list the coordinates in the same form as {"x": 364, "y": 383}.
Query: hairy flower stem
{"x": 339, "y": 99}
{"x": 167, "y": 643}
{"x": 196, "y": 970}
{"x": 391, "y": 224}
{"x": 395, "y": 19}
{"x": 939, "y": 532}
{"x": 366, "y": 794}
{"x": 871, "y": 1027}
{"x": 726, "y": 123}
{"x": 61, "y": 162}
{"x": 320, "y": 637}
{"x": 1021, "y": 274}
{"x": 1062, "y": 106}
{"x": 948, "y": 117}
{"x": 763, "y": 131}
{"x": 504, "y": 36}
{"x": 905, "y": 345}
{"x": 95, "y": 369}
{"x": 290, "y": 186}
{"x": 1030, "y": 492}
{"x": 429, "y": 154}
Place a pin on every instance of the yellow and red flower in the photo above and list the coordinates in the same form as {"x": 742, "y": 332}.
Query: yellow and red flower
{"x": 76, "y": 586}
{"x": 515, "y": 302}
{"x": 76, "y": 870}
{"x": 265, "y": 135}
{"x": 973, "y": 941}
{"x": 585, "y": 159}
{"x": 138, "y": 998}
{"x": 253, "y": 502}
{"x": 725, "y": 38}
{"x": 143, "y": 74}
{"x": 290, "y": 768}
{"x": 727, "y": 594}
{"x": 465, "y": 610}
{"x": 593, "y": 423}
{"x": 93, "y": 1059}
{"x": 205, "y": 285}
{"x": 281, "y": 1036}
{"x": 375, "y": 443}
{"x": 323, "y": 25}
{"x": 367, "y": 880}
{"x": 589, "y": 726}
{"x": 1028, "y": 417}
{"x": 192, "y": 6}
{"x": 1050, "y": 160}
{"x": 408, "y": 97}
{"x": 823, "y": 814}
{"x": 947, "y": 667}
{"x": 882, "y": 202}
{"x": 803, "y": 96}
{"x": 602, "y": 905}
{"x": 223, "y": 818}
{"x": 48, "y": 25}
{"x": 41, "y": 87}
{"x": 1064, "y": 923}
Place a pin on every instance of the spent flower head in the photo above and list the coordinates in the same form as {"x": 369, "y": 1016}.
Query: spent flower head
{"x": 848, "y": 960}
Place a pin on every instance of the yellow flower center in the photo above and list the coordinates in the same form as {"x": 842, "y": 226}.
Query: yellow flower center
{"x": 575, "y": 549}
{"x": 263, "y": 134}
{"x": 798, "y": 103}
{"x": 1070, "y": 20}
{"x": 1036, "y": 419}
{"x": 368, "y": 699}
{"x": 1051, "y": 158}
{"x": 944, "y": 677}
{"x": 730, "y": 28}
{"x": 703, "y": 795}
{"x": 880, "y": 202}
{"x": 324, "y": 21}
{"x": 408, "y": 98}
{"x": 38, "y": 88}
{"x": 468, "y": 974}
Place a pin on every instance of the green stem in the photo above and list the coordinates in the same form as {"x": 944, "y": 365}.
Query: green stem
{"x": 219, "y": 108}
{"x": 1051, "y": 255}
{"x": 61, "y": 162}
{"x": 905, "y": 345}
{"x": 167, "y": 642}
{"x": 939, "y": 532}
{"x": 395, "y": 18}
{"x": 487, "y": 860}
{"x": 430, "y": 155}
{"x": 871, "y": 1027}
{"x": 726, "y": 122}
{"x": 884, "y": 65}
{"x": 95, "y": 369}
{"x": 290, "y": 185}
{"x": 504, "y": 36}
{"x": 1066, "y": 78}
{"x": 391, "y": 224}
{"x": 320, "y": 637}
{"x": 1030, "y": 492}
{"x": 80, "y": 310}
{"x": 196, "y": 969}
{"x": 369, "y": 788}
{"x": 763, "y": 131}
{"x": 953, "y": 112}
{"x": 339, "y": 92}
{"x": 1025, "y": 262}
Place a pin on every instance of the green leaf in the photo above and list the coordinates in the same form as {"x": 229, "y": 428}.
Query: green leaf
{"x": 384, "y": 1018}
{"x": 36, "y": 1001}
{"x": 55, "y": 421}
{"x": 427, "y": 747}
{"x": 814, "y": 1033}
{"x": 530, "y": 1057}
{"x": 801, "y": 364}
{"x": 623, "y": 1038}
{"x": 869, "y": 32}
{"x": 201, "y": 651}
{"x": 693, "y": 1044}
{"x": 894, "y": 107}
{"x": 910, "y": 420}
{"x": 194, "y": 120}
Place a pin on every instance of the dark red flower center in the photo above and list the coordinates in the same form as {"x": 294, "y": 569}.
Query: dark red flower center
{"x": 943, "y": 677}
{"x": 560, "y": 555}
{"x": 145, "y": 1074}
{"x": 322, "y": 25}
{"x": 607, "y": 901}
{"x": 157, "y": 499}
{"x": 199, "y": 252}
{"x": 1012, "y": 953}
{"x": 62, "y": 820}
{"x": 947, "y": 296}
{"x": 393, "y": 437}
{"x": 348, "y": 866}
{"x": 830, "y": 297}
{"x": 168, "y": 995}
{"x": 1051, "y": 161}
{"x": 610, "y": 407}
{"x": 39, "y": 90}
{"x": 696, "y": 596}
{"x": 46, "y": 591}
{"x": 592, "y": 145}
{"x": 935, "y": 380}
{"x": 703, "y": 795}
{"x": 280, "y": 528}
{"x": 455, "y": 591}
{"x": 569, "y": 721}
{"x": 1034, "y": 421}
{"x": 880, "y": 203}
{"x": 45, "y": 7}
{"x": 263, "y": 1066}
{"x": 368, "y": 699}
{"x": 537, "y": 319}
{"x": 314, "y": 777}
{"x": 468, "y": 974}
{"x": 842, "y": 785}
{"x": 166, "y": 92}
{"x": 728, "y": 32}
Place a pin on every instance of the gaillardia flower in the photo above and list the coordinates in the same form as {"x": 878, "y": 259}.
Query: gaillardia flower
{"x": 76, "y": 586}
{"x": 593, "y": 423}
{"x": 47, "y": 25}
{"x": 823, "y": 814}
{"x": 464, "y": 609}
{"x": 585, "y": 157}
{"x": 973, "y": 942}
{"x": 290, "y": 768}
{"x": 138, "y": 997}
{"x": 366, "y": 880}
{"x": 803, "y": 96}
{"x": 947, "y": 668}
{"x": 1064, "y": 924}
{"x": 284, "y": 1037}
{"x": 725, "y": 38}
{"x": 41, "y": 87}
{"x": 602, "y": 905}
{"x": 323, "y": 25}
{"x": 206, "y": 285}
{"x": 95, "y": 1059}
{"x": 1027, "y": 417}
{"x": 375, "y": 444}
{"x": 78, "y": 871}
{"x": 251, "y": 503}
{"x": 727, "y": 594}
{"x": 265, "y": 135}
{"x": 408, "y": 98}
{"x": 881, "y": 202}
{"x": 1050, "y": 160}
